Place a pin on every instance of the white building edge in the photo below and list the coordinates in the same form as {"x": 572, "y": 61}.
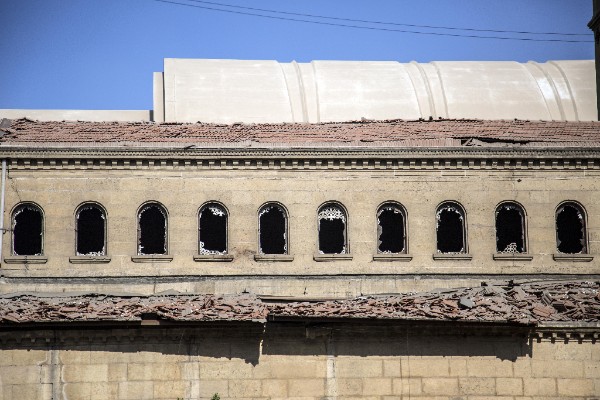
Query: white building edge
{"x": 230, "y": 91}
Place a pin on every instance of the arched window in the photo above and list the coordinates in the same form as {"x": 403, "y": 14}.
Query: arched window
{"x": 28, "y": 228}
{"x": 212, "y": 229}
{"x": 272, "y": 230}
{"x": 450, "y": 226}
{"x": 152, "y": 229}
{"x": 510, "y": 228}
{"x": 90, "y": 230}
{"x": 391, "y": 229}
{"x": 333, "y": 221}
{"x": 571, "y": 234}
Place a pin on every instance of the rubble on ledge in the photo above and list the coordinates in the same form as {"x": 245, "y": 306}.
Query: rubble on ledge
{"x": 527, "y": 304}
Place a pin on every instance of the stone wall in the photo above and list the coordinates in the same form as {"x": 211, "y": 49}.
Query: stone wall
{"x": 292, "y": 361}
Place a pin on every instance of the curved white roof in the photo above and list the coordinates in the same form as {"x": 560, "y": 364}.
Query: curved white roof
{"x": 227, "y": 91}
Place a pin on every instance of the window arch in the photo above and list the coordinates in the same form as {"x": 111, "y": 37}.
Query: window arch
{"x": 212, "y": 229}
{"x": 333, "y": 227}
{"x": 27, "y": 230}
{"x": 511, "y": 234}
{"x": 272, "y": 229}
{"x": 90, "y": 230}
{"x": 571, "y": 228}
{"x": 391, "y": 228}
{"x": 152, "y": 229}
{"x": 450, "y": 228}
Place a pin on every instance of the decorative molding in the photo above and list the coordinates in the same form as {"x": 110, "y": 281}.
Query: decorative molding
{"x": 453, "y": 256}
{"x": 332, "y": 257}
{"x": 213, "y": 257}
{"x": 26, "y": 260}
{"x": 89, "y": 259}
{"x": 392, "y": 257}
{"x": 273, "y": 257}
{"x": 512, "y": 257}
{"x": 572, "y": 257}
{"x": 152, "y": 258}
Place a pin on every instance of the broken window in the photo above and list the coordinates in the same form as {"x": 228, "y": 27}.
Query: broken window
{"x": 152, "y": 230}
{"x": 212, "y": 229}
{"x": 570, "y": 229}
{"x": 391, "y": 229}
{"x": 90, "y": 230}
{"x": 272, "y": 230}
{"x": 332, "y": 229}
{"x": 27, "y": 225}
{"x": 510, "y": 228}
{"x": 450, "y": 226}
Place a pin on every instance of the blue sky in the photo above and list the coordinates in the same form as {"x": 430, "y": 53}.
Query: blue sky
{"x": 100, "y": 54}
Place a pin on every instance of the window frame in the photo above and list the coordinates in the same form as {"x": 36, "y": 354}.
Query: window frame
{"x": 213, "y": 253}
{"x": 143, "y": 207}
{"x": 78, "y": 210}
{"x": 404, "y": 213}
{"x": 14, "y": 211}
{"x": 346, "y": 249}
{"x": 520, "y": 207}
{"x": 287, "y": 228}
{"x": 463, "y": 213}
{"x": 579, "y": 207}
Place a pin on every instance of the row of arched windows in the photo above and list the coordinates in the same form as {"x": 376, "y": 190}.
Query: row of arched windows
{"x": 273, "y": 237}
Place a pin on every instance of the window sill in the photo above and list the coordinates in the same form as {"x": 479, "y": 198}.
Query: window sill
{"x": 512, "y": 257}
{"x": 213, "y": 257}
{"x": 453, "y": 256}
{"x": 332, "y": 257}
{"x": 572, "y": 257}
{"x": 152, "y": 258}
{"x": 89, "y": 259}
{"x": 26, "y": 260}
{"x": 273, "y": 257}
{"x": 392, "y": 257}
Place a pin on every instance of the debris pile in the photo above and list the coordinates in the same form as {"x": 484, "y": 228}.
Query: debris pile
{"x": 527, "y": 304}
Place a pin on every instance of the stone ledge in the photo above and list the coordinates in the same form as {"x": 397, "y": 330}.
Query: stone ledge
{"x": 332, "y": 257}
{"x": 273, "y": 257}
{"x": 453, "y": 256}
{"x": 26, "y": 260}
{"x": 213, "y": 257}
{"x": 572, "y": 257}
{"x": 152, "y": 258}
{"x": 392, "y": 257}
{"x": 512, "y": 257}
{"x": 89, "y": 259}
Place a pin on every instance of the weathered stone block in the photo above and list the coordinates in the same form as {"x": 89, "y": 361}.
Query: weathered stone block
{"x": 440, "y": 386}
{"x": 509, "y": 386}
{"x": 306, "y": 387}
{"x": 480, "y": 386}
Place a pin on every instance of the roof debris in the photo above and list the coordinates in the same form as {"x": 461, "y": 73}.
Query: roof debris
{"x": 434, "y": 133}
{"x": 528, "y": 304}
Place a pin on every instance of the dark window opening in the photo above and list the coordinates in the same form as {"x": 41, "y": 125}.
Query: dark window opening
{"x": 90, "y": 231}
{"x": 390, "y": 228}
{"x": 213, "y": 230}
{"x": 272, "y": 230}
{"x": 570, "y": 230}
{"x": 332, "y": 230}
{"x": 510, "y": 229}
{"x": 27, "y": 231}
{"x": 450, "y": 230}
{"x": 152, "y": 230}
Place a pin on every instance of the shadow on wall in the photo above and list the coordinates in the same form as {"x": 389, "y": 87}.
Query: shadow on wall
{"x": 251, "y": 340}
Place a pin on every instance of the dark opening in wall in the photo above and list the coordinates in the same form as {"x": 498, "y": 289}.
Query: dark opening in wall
{"x": 27, "y": 231}
{"x": 152, "y": 230}
{"x": 213, "y": 230}
{"x": 450, "y": 229}
{"x": 90, "y": 231}
{"x": 570, "y": 229}
{"x": 272, "y": 230}
{"x": 510, "y": 229}
{"x": 390, "y": 228}
{"x": 332, "y": 230}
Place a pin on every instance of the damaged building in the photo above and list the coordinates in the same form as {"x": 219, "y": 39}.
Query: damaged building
{"x": 257, "y": 235}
